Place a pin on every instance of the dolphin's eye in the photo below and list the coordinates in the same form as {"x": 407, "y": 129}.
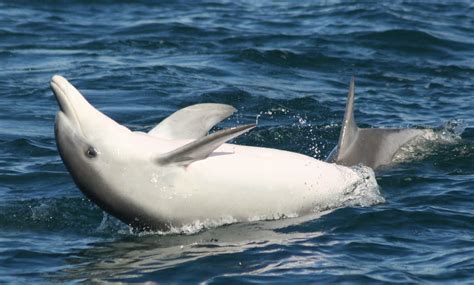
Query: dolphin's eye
{"x": 91, "y": 152}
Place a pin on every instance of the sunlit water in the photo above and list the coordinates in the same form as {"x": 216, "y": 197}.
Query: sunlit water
{"x": 285, "y": 64}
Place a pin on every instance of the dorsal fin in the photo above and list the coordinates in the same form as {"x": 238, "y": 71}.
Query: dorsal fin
{"x": 371, "y": 147}
{"x": 203, "y": 147}
{"x": 192, "y": 122}
{"x": 349, "y": 130}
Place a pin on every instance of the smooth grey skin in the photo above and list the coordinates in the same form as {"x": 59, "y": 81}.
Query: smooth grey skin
{"x": 371, "y": 147}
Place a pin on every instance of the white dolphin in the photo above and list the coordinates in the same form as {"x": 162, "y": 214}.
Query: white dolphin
{"x": 177, "y": 174}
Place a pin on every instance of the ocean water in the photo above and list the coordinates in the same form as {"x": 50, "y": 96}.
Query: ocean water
{"x": 286, "y": 64}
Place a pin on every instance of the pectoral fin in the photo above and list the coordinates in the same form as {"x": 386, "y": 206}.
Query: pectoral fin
{"x": 203, "y": 147}
{"x": 192, "y": 122}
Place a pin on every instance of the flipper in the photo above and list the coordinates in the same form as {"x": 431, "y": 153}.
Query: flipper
{"x": 203, "y": 147}
{"x": 192, "y": 122}
{"x": 371, "y": 147}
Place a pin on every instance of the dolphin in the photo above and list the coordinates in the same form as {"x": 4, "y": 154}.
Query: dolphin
{"x": 372, "y": 147}
{"x": 177, "y": 174}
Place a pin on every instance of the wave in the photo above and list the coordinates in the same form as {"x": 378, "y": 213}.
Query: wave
{"x": 226, "y": 95}
{"x": 411, "y": 38}
{"x": 6, "y": 34}
{"x": 58, "y": 214}
{"x": 155, "y": 28}
{"x": 285, "y": 58}
{"x": 29, "y": 146}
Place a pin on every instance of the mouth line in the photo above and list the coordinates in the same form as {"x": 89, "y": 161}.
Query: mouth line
{"x": 65, "y": 105}
{"x": 56, "y": 90}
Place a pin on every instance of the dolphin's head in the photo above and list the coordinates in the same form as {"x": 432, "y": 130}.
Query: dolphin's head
{"x": 86, "y": 140}
{"x": 128, "y": 174}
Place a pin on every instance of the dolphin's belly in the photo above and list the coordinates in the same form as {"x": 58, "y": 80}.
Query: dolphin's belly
{"x": 248, "y": 183}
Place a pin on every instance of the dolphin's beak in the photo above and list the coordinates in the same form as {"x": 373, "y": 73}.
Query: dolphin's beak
{"x": 73, "y": 106}
{"x": 71, "y": 102}
{"x": 60, "y": 87}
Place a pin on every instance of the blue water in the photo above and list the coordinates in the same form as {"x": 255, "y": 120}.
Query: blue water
{"x": 287, "y": 63}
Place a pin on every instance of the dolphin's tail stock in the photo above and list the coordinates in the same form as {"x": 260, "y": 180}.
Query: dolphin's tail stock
{"x": 371, "y": 147}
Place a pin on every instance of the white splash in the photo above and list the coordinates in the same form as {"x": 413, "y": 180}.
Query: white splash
{"x": 364, "y": 193}
{"x": 427, "y": 144}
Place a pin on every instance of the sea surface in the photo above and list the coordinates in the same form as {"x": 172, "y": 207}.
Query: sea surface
{"x": 285, "y": 64}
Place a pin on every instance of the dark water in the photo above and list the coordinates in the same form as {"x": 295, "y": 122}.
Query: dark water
{"x": 288, "y": 63}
